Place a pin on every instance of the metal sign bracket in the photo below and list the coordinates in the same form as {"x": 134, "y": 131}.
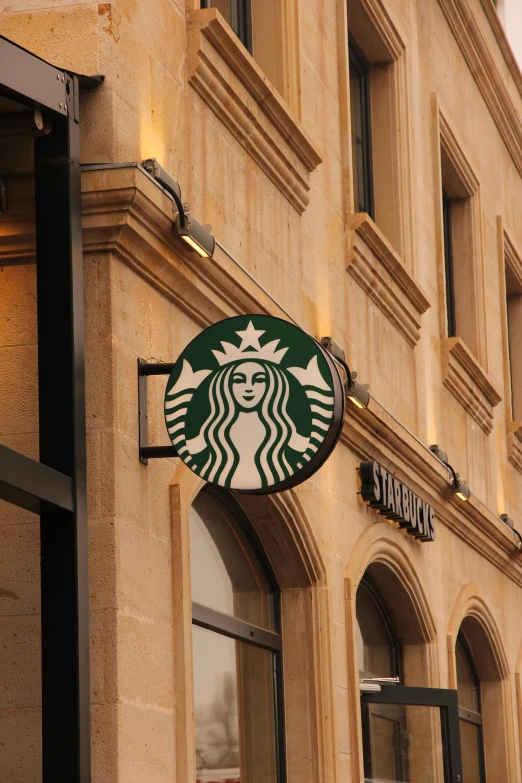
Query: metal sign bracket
{"x": 147, "y": 452}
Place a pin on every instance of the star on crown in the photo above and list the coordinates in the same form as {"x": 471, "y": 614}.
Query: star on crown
{"x": 250, "y": 348}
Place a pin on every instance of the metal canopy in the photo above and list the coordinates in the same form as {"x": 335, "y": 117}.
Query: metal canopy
{"x": 56, "y": 486}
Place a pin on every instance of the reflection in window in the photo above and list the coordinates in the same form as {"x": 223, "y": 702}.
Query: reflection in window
{"x": 377, "y": 646}
{"x": 237, "y": 713}
{"x": 226, "y": 572}
{"x": 471, "y": 738}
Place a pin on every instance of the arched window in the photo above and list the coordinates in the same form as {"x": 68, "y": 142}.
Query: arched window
{"x": 470, "y": 713}
{"x": 378, "y": 647}
{"x": 236, "y": 647}
{"x": 379, "y": 654}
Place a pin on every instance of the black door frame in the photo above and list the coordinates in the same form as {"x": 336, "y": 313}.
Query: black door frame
{"x": 55, "y": 487}
{"x": 446, "y": 700}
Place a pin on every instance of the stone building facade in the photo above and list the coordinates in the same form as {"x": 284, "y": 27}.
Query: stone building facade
{"x": 362, "y": 172}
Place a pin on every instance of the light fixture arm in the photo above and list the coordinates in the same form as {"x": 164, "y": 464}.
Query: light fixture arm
{"x": 452, "y": 471}
{"x": 349, "y": 381}
{"x": 178, "y": 203}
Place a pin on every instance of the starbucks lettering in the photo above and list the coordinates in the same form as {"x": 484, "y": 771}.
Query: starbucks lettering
{"x": 254, "y": 404}
{"x": 396, "y": 502}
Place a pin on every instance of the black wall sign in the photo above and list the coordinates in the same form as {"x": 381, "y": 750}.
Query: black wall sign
{"x": 394, "y": 501}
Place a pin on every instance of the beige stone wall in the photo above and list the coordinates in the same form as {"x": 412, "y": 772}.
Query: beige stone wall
{"x": 272, "y": 174}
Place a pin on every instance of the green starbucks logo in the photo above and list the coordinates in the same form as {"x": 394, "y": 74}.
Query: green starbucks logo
{"x": 254, "y": 404}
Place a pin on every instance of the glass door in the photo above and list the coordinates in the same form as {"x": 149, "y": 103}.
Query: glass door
{"x": 411, "y": 735}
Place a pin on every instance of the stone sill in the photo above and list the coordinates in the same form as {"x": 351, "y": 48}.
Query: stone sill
{"x": 468, "y": 382}
{"x": 380, "y": 272}
{"x": 515, "y": 444}
{"x": 231, "y": 83}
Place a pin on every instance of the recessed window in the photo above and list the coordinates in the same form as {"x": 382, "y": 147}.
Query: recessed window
{"x": 361, "y": 139}
{"x": 462, "y": 245}
{"x": 470, "y": 714}
{"x": 514, "y": 335}
{"x": 377, "y": 644}
{"x": 236, "y": 648}
{"x": 383, "y": 725}
{"x": 448, "y": 266}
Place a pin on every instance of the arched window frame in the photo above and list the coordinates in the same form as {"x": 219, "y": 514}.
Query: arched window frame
{"x": 367, "y": 584}
{"x": 240, "y": 630}
{"x": 470, "y": 716}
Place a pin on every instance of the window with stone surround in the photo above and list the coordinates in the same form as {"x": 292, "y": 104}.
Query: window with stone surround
{"x": 513, "y": 281}
{"x": 461, "y": 276}
{"x": 236, "y": 648}
{"x": 361, "y": 130}
{"x": 460, "y": 217}
{"x": 379, "y": 124}
{"x": 470, "y": 713}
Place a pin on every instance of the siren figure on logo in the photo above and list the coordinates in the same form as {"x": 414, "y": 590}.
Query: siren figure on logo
{"x": 249, "y": 438}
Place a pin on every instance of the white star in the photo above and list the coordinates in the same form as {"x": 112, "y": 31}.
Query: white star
{"x": 250, "y": 337}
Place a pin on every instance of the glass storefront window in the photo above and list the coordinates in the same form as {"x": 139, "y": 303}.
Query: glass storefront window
{"x": 470, "y": 716}
{"x": 236, "y": 704}
{"x": 226, "y": 572}
{"x": 404, "y": 744}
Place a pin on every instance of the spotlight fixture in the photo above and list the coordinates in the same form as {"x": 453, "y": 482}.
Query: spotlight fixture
{"x": 507, "y": 520}
{"x": 439, "y": 453}
{"x": 190, "y": 230}
{"x": 356, "y": 392}
{"x": 198, "y": 237}
{"x": 460, "y": 487}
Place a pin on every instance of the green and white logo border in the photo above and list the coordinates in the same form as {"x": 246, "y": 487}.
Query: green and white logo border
{"x": 321, "y": 388}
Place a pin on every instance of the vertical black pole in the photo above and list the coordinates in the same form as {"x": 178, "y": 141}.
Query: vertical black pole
{"x": 64, "y": 584}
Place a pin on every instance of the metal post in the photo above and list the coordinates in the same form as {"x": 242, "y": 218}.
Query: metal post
{"x": 64, "y": 578}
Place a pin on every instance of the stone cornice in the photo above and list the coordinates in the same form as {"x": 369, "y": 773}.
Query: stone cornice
{"x": 231, "y": 83}
{"x": 378, "y": 269}
{"x": 373, "y": 434}
{"x": 481, "y": 61}
{"x": 502, "y": 41}
{"x": 467, "y": 381}
{"x": 127, "y": 213}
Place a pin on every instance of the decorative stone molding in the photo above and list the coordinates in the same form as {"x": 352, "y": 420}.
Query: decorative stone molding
{"x": 467, "y": 381}
{"x": 376, "y": 266}
{"x": 232, "y": 84}
{"x": 481, "y": 61}
{"x": 492, "y": 16}
{"x": 513, "y": 259}
{"x": 374, "y": 434}
{"x": 126, "y": 213}
{"x": 515, "y": 444}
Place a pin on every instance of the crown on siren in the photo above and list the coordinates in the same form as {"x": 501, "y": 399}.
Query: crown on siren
{"x": 250, "y": 348}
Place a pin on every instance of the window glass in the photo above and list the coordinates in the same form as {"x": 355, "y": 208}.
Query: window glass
{"x": 375, "y": 645}
{"x": 470, "y": 736}
{"x": 360, "y": 130}
{"x": 234, "y": 710}
{"x": 470, "y": 723}
{"x": 467, "y": 682}
{"x": 237, "y": 13}
{"x": 226, "y": 573}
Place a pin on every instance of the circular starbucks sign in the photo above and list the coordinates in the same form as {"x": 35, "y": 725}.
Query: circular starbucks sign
{"x": 254, "y": 404}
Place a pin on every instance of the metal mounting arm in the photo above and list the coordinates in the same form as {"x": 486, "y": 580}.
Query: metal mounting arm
{"x": 150, "y": 452}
